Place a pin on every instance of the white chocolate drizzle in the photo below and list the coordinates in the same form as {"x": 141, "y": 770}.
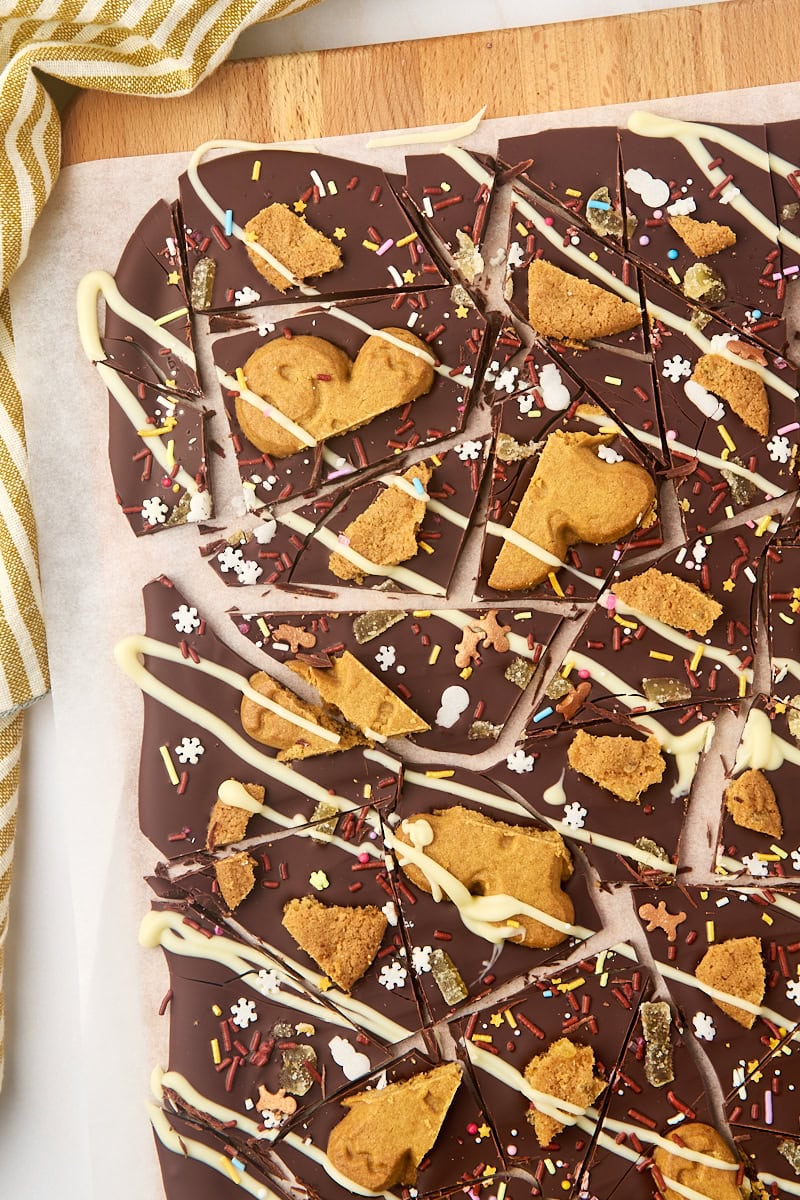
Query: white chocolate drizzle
{"x": 615, "y": 845}
{"x": 791, "y": 665}
{"x": 178, "y": 1083}
{"x": 454, "y": 788}
{"x": 429, "y": 137}
{"x": 319, "y": 1156}
{"x": 536, "y": 551}
{"x": 188, "y": 1147}
{"x": 760, "y": 749}
{"x": 725, "y": 657}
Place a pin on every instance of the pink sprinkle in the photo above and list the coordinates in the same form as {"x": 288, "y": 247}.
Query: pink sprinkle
{"x": 344, "y": 540}
{"x": 472, "y": 1129}
{"x": 644, "y": 240}
{"x": 617, "y": 555}
{"x": 672, "y": 435}
{"x": 789, "y": 428}
{"x": 244, "y": 627}
{"x": 548, "y": 221}
{"x": 583, "y": 673}
{"x": 511, "y": 1151}
{"x": 658, "y": 214}
{"x": 609, "y": 600}
{"x": 363, "y": 857}
{"x": 387, "y": 245}
{"x": 768, "y": 1106}
{"x": 776, "y": 275}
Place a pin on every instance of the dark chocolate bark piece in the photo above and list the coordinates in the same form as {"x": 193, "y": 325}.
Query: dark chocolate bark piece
{"x": 656, "y": 1089}
{"x": 586, "y": 1012}
{"x": 523, "y": 426}
{"x": 150, "y": 277}
{"x": 263, "y": 551}
{"x": 351, "y": 204}
{"x": 575, "y": 167}
{"x": 453, "y": 905}
{"x": 760, "y": 831}
{"x": 587, "y": 789}
{"x": 682, "y": 924}
{"x": 157, "y": 452}
{"x": 732, "y": 447}
{"x": 193, "y": 739}
{"x": 451, "y": 497}
{"x": 452, "y": 192}
{"x": 462, "y": 672}
{"x": 783, "y": 145}
{"x": 783, "y": 607}
{"x": 464, "y": 1154}
{"x": 685, "y": 632}
{"x": 456, "y": 348}
{"x": 773, "y": 1159}
{"x": 702, "y": 197}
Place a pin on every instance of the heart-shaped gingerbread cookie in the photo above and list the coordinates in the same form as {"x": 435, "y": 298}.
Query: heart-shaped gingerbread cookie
{"x": 317, "y": 386}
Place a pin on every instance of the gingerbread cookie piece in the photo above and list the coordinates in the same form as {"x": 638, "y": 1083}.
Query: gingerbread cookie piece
{"x": 386, "y": 533}
{"x": 236, "y": 878}
{"x": 624, "y": 766}
{"x": 315, "y": 385}
{"x": 703, "y": 237}
{"x": 750, "y": 799}
{"x": 668, "y": 599}
{"x": 718, "y": 1183}
{"x": 278, "y": 730}
{"x": 574, "y": 496}
{"x": 343, "y": 940}
{"x": 565, "y": 1071}
{"x": 563, "y": 307}
{"x": 738, "y": 385}
{"x": 228, "y": 822}
{"x": 294, "y": 242}
{"x": 387, "y": 1133}
{"x": 735, "y": 966}
{"x": 362, "y": 699}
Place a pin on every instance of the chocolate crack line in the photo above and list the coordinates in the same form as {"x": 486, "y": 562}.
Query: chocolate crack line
{"x": 690, "y": 135}
{"x": 178, "y": 1083}
{"x": 663, "y": 314}
{"x": 188, "y": 1147}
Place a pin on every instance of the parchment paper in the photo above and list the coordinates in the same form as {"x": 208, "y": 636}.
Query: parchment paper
{"x": 93, "y": 569}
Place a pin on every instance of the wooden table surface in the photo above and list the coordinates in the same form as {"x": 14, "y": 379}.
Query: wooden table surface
{"x": 738, "y": 43}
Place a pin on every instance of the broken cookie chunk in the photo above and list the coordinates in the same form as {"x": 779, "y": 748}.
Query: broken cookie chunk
{"x": 751, "y": 801}
{"x": 236, "y": 878}
{"x": 624, "y": 766}
{"x": 388, "y": 1131}
{"x": 564, "y": 1072}
{"x": 228, "y": 822}
{"x": 361, "y": 697}
{"x": 666, "y": 598}
{"x": 297, "y": 246}
{"x": 703, "y": 237}
{"x": 741, "y": 386}
{"x": 562, "y": 306}
{"x": 343, "y": 941}
{"x": 735, "y": 966}
{"x": 293, "y": 739}
{"x": 386, "y": 532}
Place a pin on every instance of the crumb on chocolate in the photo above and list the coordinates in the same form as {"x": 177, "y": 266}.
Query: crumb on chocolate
{"x": 735, "y": 966}
{"x": 672, "y": 601}
{"x": 561, "y": 305}
{"x": 624, "y": 766}
{"x": 342, "y": 940}
{"x": 751, "y": 801}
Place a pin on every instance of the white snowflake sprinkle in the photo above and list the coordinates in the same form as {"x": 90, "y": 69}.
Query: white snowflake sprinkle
{"x": 389, "y": 910}
{"x": 609, "y": 454}
{"x": 265, "y": 532}
{"x": 421, "y": 959}
{"x": 243, "y": 1013}
{"x": 796, "y": 859}
{"x": 386, "y": 657}
{"x": 393, "y": 975}
{"x": 527, "y": 403}
{"x": 755, "y": 865}
{"x": 246, "y": 295}
{"x": 249, "y": 571}
{"x": 793, "y": 990}
{"x": 699, "y": 551}
{"x": 265, "y": 328}
{"x": 468, "y": 450}
{"x": 677, "y": 368}
{"x": 230, "y": 559}
{"x": 704, "y": 1028}
{"x": 575, "y": 815}
{"x": 519, "y": 762}
{"x": 506, "y": 381}
{"x": 154, "y": 510}
{"x": 780, "y": 451}
{"x": 189, "y": 751}
{"x": 268, "y": 982}
{"x": 515, "y": 255}
{"x": 186, "y": 619}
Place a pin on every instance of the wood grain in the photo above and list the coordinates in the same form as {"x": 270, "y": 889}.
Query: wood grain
{"x": 735, "y": 44}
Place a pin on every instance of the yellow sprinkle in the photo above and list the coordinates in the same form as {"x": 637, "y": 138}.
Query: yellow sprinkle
{"x": 674, "y": 276}
{"x": 367, "y": 792}
{"x": 565, "y": 1185}
{"x": 157, "y": 430}
{"x": 593, "y": 255}
{"x": 604, "y": 979}
{"x": 728, "y": 511}
{"x": 763, "y": 525}
{"x": 215, "y": 1054}
{"x": 405, "y": 241}
{"x": 779, "y": 852}
{"x": 663, "y": 657}
{"x": 767, "y": 919}
{"x": 523, "y": 616}
{"x": 324, "y": 984}
{"x": 626, "y": 621}
{"x": 613, "y": 379}
{"x": 574, "y": 983}
{"x": 248, "y": 235}
{"x": 230, "y": 1168}
{"x": 176, "y": 487}
{"x": 171, "y": 453}
{"x": 434, "y": 654}
{"x": 421, "y": 612}
{"x": 509, "y": 1016}
{"x": 704, "y": 893}
{"x": 169, "y": 764}
{"x": 601, "y": 962}
{"x": 521, "y": 230}
{"x": 726, "y": 437}
{"x": 788, "y": 620}
{"x": 742, "y": 685}
{"x": 240, "y": 378}
{"x": 766, "y": 857}
{"x": 710, "y": 934}
{"x": 574, "y": 192}
{"x": 501, "y": 1190}
{"x": 256, "y": 169}
{"x": 170, "y": 383}
{"x": 550, "y": 1165}
{"x": 465, "y": 674}
{"x": 720, "y": 870}
{"x": 370, "y": 245}
{"x": 179, "y": 312}
{"x": 437, "y": 462}
{"x": 567, "y": 669}
{"x": 698, "y": 654}
{"x": 263, "y": 626}
{"x": 482, "y": 1037}
{"x": 554, "y": 584}
{"x": 216, "y": 1010}
{"x": 725, "y": 454}
{"x": 424, "y": 546}
{"x": 440, "y": 774}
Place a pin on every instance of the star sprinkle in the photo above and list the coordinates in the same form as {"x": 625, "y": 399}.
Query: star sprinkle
{"x": 408, "y": 276}
{"x": 340, "y": 233}
{"x": 299, "y": 206}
